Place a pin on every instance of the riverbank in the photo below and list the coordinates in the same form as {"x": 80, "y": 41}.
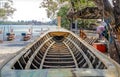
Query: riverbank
{"x": 9, "y": 49}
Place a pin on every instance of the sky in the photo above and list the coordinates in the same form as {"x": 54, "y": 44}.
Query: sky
{"x": 28, "y": 10}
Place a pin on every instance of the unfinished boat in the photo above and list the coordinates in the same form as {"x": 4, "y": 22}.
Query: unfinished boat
{"x": 60, "y": 53}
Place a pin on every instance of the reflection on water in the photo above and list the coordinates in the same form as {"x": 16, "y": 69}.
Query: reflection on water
{"x": 19, "y": 29}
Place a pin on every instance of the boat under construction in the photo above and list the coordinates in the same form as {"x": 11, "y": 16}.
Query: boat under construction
{"x": 60, "y": 53}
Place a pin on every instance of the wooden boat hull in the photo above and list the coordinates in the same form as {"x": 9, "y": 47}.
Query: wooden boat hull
{"x": 60, "y": 53}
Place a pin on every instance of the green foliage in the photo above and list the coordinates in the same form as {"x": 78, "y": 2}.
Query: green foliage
{"x": 51, "y": 7}
{"x": 80, "y": 4}
{"x": 54, "y": 7}
{"x": 63, "y": 13}
{"x": 85, "y": 23}
{"x": 2, "y": 12}
{"x": 6, "y": 9}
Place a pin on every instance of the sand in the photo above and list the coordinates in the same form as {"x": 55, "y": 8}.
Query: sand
{"x": 8, "y": 49}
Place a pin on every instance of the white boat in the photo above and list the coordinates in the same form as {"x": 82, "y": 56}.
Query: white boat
{"x": 60, "y": 53}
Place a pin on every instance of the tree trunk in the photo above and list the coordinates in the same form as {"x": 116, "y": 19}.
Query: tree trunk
{"x": 113, "y": 51}
{"x": 116, "y": 12}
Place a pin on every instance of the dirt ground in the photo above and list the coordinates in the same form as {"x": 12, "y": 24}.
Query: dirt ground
{"x": 9, "y": 48}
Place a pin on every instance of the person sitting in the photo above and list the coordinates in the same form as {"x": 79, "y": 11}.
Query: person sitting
{"x": 101, "y": 28}
{"x": 82, "y": 34}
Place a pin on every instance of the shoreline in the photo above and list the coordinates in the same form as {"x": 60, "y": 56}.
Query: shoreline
{"x": 9, "y": 49}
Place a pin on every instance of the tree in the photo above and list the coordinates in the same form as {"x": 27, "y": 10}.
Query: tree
{"x": 63, "y": 13}
{"x": 51, "y": 7}
{"x": 6, "y": 9}
{"x": 56, "y": 8}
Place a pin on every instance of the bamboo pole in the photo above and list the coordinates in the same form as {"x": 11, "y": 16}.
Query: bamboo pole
{"x": 59, "y": 22}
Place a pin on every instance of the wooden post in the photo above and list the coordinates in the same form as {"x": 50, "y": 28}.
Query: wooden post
{"x": 76, "y": 23}
{"x": 59, "y": 22}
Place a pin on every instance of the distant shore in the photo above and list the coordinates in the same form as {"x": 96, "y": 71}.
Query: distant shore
{"x": 32, "y": 22}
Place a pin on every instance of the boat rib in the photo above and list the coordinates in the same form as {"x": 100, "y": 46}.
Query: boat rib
{"x": 59, "y": 51}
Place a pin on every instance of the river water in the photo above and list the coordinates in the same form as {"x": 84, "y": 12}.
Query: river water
{"x": 19, "y": 29}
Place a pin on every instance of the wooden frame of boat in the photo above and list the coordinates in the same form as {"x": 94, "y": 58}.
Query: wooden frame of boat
{"x": 60, "y": 53}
